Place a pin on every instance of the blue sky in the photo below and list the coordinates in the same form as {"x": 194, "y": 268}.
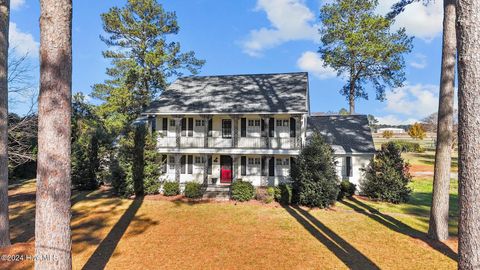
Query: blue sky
{"x": 254, "y": 36}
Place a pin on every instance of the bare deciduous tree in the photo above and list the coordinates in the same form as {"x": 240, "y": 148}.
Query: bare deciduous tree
{"x": 4, "y": 23}
{"x": 52, "y": 219}
{"x": 468, "y": 36}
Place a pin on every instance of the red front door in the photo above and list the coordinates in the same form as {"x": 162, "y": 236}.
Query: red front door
{"x": 225, "y": 169}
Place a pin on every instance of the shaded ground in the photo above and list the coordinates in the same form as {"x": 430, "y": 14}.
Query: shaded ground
{"x": 113, "y": 233}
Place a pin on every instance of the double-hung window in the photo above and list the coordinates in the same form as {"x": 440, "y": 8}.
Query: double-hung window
{"x": 227, "y": 128}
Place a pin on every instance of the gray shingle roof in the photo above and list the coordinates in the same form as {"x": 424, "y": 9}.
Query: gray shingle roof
{"x": 256, "y": 93}
{"x": 346, "y": 133}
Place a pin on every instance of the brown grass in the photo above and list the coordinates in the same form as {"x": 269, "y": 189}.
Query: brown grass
{"x": 155, "y": 233}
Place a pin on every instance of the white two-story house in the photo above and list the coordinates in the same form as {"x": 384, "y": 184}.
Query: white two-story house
{"x": 216, "y": 129}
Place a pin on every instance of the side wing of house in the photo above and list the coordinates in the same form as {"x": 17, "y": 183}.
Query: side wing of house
{"x": 351, "y": 139}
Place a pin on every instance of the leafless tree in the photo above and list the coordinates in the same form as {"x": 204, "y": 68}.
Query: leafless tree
{"x": 52, "y": 218}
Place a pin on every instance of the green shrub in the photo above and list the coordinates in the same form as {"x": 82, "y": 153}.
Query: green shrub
{"x": 314, "y": 175}
{"x": 171, "y": 188}
{"x": 387, "y": 176}
{"x": 271, "y": 191}
{"x": 283, "y": 193}
{"x": 347, "y": 189}
{"x": 406, "y": 146}
{"x": 242, "y": 191}
{"x": 193, "y": 190}
{"x": 268, "y": 200}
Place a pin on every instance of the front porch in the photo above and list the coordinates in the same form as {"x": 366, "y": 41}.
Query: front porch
{"x": 221, "y": 169}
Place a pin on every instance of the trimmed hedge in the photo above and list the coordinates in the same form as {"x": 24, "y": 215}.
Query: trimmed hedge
{"x": 406, "y": 146}
{"x": 242, "y": 191}
{"x": 193, "y": 190}
{"x": 171, "y": 188}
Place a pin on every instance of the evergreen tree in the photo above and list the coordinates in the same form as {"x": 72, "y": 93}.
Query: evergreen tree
{"x": 387, "y": 176}
{"x": 359, "y": 44}
{"x": 315, "y": 180}
{"x": 143, "y": 60}
{"x": 136, "y": 169}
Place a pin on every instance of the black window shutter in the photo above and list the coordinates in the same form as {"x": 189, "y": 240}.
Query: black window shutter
{"x": 184, "y": 126}
{"x": 164, "y": 163}
{"x": 293, "y": 128}
{"x": 271, "y": 127}
{"x": 271, "y": 167}
{"x": 262, "y": 124}
{"x": 209, "y": 167}
{"x": 210, "y": 127}
{"x": 349, "y": 166}
{"x": 165, "y": 124}
{"x": 190, "y": 127}
{"x": 190, "y": 164}
{"x": 243, "y": 127}
{"x": 182, "y": 164}
{"x": 264, "y": 166}
{"x": 244, "y": 165}
{"x": 153, "y": 122}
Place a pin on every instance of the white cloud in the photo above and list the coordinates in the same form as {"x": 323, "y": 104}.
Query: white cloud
{"x": 17, "y": 4}
{"x": 413, "y": 100}
{"x": 394, "y": 120}
{"x": 420, "y": 61}
{"x": 311, "y": 62}
{"x": 22, "y": 43}
{"x": 422, "y": 21}
{"x": 290, "y": 20}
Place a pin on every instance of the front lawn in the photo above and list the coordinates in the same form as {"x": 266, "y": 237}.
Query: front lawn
{"x": 154, "y": 234}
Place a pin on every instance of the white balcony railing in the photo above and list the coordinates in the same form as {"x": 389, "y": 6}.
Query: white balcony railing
{"x": 245, "y": 142}
{"x": 219, "y": 142}
{"x": 192, "y": 142}
{"x": 166, "y": 142}
{"x": 283, "y": 143}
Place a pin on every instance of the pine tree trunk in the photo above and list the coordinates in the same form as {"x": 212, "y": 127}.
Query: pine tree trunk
{"x": 351, "y": 97}
{"x": 438, "y": 227}
{"x": 52, "y": 220}
{"x": 4, "y": 21}
{"x": 468, "y": 42}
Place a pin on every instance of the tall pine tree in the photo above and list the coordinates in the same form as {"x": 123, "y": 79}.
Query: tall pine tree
{"x": 360, "y": 46}
{"x": 144, "y": 59}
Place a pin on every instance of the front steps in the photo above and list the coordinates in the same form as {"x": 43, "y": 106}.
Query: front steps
{"x": 217, "y": 192}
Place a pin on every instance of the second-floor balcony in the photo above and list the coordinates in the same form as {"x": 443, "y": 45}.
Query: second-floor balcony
{"x": 220, "y": 142}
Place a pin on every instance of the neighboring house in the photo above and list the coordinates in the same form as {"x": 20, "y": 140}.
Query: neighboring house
{"x": 351, "y": 140}
{"x": 216, "y": 129}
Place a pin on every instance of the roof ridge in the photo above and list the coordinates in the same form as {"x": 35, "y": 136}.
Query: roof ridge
{"x": 245, "y": 74}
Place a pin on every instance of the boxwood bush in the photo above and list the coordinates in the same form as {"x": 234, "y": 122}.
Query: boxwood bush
{"x": 193, "y": 190}
{"x": 242, "y": 191}
{"x": 171, "y": 188}
{"x": 347, "y": 189}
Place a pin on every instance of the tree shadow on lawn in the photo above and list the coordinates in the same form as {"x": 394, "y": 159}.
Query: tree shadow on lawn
{"x": 350, "y": 256}
{"x": 106, "y": 248}
{"x": 398, "y": 226}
